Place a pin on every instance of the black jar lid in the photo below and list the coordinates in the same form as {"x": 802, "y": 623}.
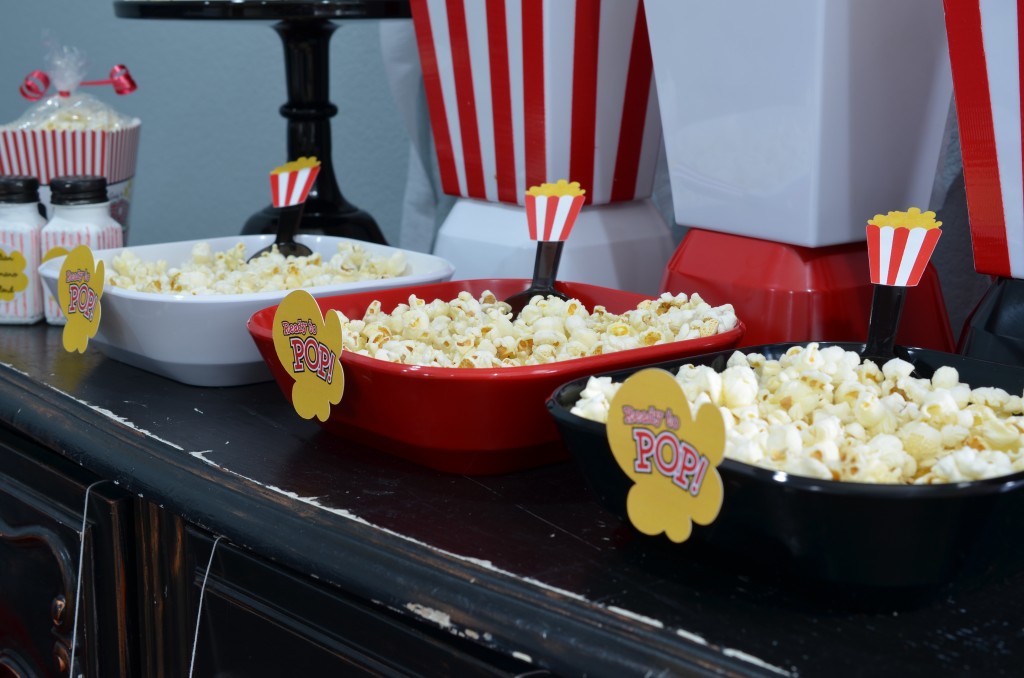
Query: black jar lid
{"x": 78, "y": 190}
{"x": 19, "y": 189}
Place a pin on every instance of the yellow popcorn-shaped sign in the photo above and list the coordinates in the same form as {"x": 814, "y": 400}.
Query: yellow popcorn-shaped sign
{"x": 670, "y": 454}
{"x": 79, "y": 289}
{"x": 912, "y": 218}
{"x": 12, "y": 275}
{"x": 307, "y": 346}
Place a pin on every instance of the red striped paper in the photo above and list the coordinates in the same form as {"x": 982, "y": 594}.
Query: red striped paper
{"x": 522, "y": 92}
{"x": 898, "y": 256}
{"x": 985, "y": 57}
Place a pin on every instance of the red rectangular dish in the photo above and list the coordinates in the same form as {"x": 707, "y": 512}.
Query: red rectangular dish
{"x": 473, "y": 421}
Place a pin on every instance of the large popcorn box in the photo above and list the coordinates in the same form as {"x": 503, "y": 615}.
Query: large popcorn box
{"x": 519, "y": 97}
{"x": 792, "y": 121}
{"x": 985, "y": 57}
{"x": 523, "y": 93}
{"x": 46, "y": 154}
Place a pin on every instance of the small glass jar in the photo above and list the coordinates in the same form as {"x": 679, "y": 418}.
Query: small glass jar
{"x": 81, "y": 216}
{"x": 21, "y": 291}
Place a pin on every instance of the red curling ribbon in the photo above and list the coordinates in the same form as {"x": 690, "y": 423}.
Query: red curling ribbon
{"x": 37, "y": 82}
{"x": 34, "y": 86}
{"x": 120, "y": 78}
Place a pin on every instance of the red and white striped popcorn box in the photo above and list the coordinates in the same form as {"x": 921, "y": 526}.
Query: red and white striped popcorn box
{"x": 46, "y": 154}
{"x": 290, "y": 187}
{"x": 985, "y": 53}
{"x": 552, "y": 217}
{"x": 520, "y": 93}
{"x": 899, "y": 256}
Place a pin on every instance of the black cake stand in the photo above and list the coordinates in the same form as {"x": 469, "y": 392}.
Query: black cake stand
{"x": 305, "y": 29}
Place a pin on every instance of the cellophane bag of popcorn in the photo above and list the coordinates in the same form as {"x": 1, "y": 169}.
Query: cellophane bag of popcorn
{"x": 68, "y": 131}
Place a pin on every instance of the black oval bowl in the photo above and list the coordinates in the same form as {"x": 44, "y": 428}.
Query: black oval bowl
{"x": 832, "y": 532}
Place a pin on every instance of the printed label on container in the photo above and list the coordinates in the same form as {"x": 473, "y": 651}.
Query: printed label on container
{"x": 12, "y": 274}
{"x": 671, "y": 456}
{"x": 79, "y": 288}
{"x": 308, "y": 348}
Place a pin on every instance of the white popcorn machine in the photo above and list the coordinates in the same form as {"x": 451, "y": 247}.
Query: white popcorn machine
{"x": 524, "y": 93}
{"x": 787, "y": 127}
{"x": 985, "y": 54}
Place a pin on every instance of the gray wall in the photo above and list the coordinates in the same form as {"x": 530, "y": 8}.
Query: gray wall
{"x": 208, "y": 97}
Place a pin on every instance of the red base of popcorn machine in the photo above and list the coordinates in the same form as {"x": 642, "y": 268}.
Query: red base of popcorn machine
{"x": 789, "y": 293}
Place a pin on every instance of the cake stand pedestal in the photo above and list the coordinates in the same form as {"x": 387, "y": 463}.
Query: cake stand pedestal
{"x": 305, "y": 29}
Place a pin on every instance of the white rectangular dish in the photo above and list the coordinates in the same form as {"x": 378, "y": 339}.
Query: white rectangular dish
{"x": 202, "y": 340}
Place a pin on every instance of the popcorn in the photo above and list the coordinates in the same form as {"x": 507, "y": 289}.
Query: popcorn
{"x": 468, "y": 332}
{"x": 228, "y": 272}
{"x": 739, "y": 388}
{"x": 825, "y": 414}
{"x": 558, "y": 189}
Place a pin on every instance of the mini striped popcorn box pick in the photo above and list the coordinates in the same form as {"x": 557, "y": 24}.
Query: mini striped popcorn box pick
{"x": 900, "y": 244}
{"x": 551, "y": 209}
{"x": 290, "y": 183}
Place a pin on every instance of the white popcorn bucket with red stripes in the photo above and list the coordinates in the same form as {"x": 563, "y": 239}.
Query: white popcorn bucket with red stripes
{"x": 525, "y": 92}
{"x": 985, "y": 56}
{"x": 46, "y": 154}
{"x": 521, "y": 93}
{"x": 790, "y": 121}
{"x": 899, "y": 256}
